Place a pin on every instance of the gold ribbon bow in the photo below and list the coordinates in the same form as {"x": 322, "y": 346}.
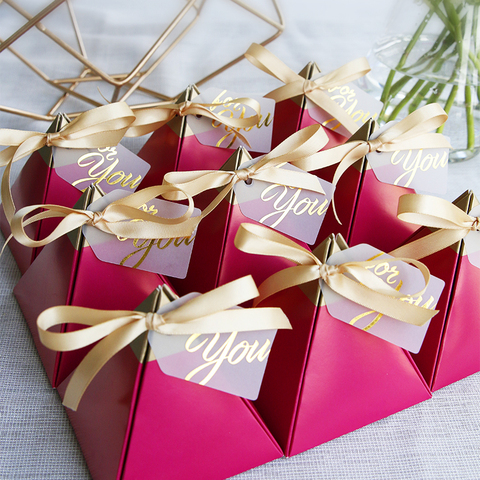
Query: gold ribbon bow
{"x": 351, "y": 280}
{"x": 121, "y": 217}
{"x": 434, "y": 212}
{"x": 299, "y": 145}
{"x": 211, "y": 312}
{"x": 313, "y": 89}
{"x": 101, "y": 127}
{"x": 410, "y": 133}
{"x": 150, "y": 119}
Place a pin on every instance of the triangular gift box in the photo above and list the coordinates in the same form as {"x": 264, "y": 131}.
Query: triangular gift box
{"x": 136, "y": 422}
{"x": 292, "y": 114}
{"x": 174, "y": 147}
{"x": 215, "y": 260}
{"x": 326, "y": 378}
{"x": 451, "y": 349}
{"x": 38, "y": 184}
{"x": 366, "y": 207}
{"x": 67, "y": 272}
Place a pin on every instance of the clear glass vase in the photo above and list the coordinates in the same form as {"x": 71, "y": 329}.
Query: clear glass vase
{"x": 430, "y": 52}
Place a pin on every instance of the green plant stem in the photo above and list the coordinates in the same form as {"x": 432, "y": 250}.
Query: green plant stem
{"x": 407, "y": 98}
{"x": 420, "y": 96}
{"x": 385, "y": 98}
{"x": 470, "y": 119}
{"x": 436, "y": 93}
{"x": 448, "y": 105}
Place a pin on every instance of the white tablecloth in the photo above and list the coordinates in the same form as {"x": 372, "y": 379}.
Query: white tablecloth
{"x": 438, "y": 439}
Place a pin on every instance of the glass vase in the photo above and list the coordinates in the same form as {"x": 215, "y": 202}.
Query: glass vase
{"x": 430, "y": 52}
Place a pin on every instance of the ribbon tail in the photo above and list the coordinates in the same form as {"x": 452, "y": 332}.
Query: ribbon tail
{"x": 387, "y": 305}
{"x": 96, "y": 359}
{"x": 432, "y": 243}
{"x": 286, "y": 278}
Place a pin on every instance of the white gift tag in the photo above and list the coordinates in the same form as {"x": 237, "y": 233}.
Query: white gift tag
{"x": 359, "y": 105}
{"x": 216, "y": 134}
{"x": 424, "y": 170}
{"x": 166, "y": 256}
{"x": 398, "y": 275}
{"x": 231, "y": 362}
{"x": 293, "y": 211}
{"x": 110, "y": 168}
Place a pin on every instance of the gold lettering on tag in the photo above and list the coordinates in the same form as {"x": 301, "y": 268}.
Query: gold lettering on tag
{"x": 284, "y": 204}
{"x": 422, "y": 162}
{"x": 390, "y": 272}
{"x": 228, "y": 351}
{"x": 142, "y": 247}
{"x": 105, "y": 157}
{"x": 345, "y": 97}
{"x": 230, "y": 110}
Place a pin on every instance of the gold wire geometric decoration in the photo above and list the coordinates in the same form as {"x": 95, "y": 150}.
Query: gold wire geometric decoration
{"x": 124, "y": 84}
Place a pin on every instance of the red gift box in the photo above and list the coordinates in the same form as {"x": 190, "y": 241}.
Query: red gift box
{"x": 292, "y": 115}
{"x": 215, "y": 260}
{"x": 450, "y": 350}
{"x": 38, "y": 183}
{"x": 67, "y": 272}
{"x": 174, "y": 147}
{"x": 134, "y": 421}
{"x": 365, "y": 205}
{"x": 331, "y": 378}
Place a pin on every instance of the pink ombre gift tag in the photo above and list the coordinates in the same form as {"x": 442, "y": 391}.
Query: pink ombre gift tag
{"x": 359, "y": 105}
{"x": 425, "y": 170}
{"x": 231, "y": 362}
{"x": 212, "y": 133}
{"x": 166, "y": 256}
{"x": 472, "y": 241}
{"x": 110, "y": 168}
{"x": 398, "y": 275}
{"x": 293, "y": 211}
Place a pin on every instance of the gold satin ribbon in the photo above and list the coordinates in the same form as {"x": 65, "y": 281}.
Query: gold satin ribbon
{"x": 365, "y": 288}
{"x": 101, "y": 127}
{"x": 299, "y": 145}
{"x": 121, "y": 217}
{"x": 150, "y": 119}
{"x": 211, "y": 312}
{"x": 314, "y": 90}
{"x": 434, "y": 212}
{"x": 410, "y": 133}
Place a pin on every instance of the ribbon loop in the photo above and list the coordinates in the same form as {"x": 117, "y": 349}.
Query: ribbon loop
{"x": 425, "y": 210}
{"x": 101, "y": 127}
{"x": 212, "y": 312}
{"x": 150, "y": 119}
{"x": 361, "y": 286}
{"x": 122, "y": 218}
{"x": 314, "y": 89}
{"x": 301, "y": 144}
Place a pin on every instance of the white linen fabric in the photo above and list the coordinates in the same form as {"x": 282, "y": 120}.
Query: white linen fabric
{"x": 436, "y": 440}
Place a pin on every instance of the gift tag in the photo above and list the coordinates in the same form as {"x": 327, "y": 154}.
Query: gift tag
{"x": 398, "y": 275}
{"x": 166, "y": 256}
{"x": 472, "y": 241}
{"x": 359, "y": 105}
{"x": 293, "y": 211}
{"x": 424, "y": 170}
{"x": 110, "y": 168}
{"x": 215, "y": 134}
{"x": 231, "y": 362}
